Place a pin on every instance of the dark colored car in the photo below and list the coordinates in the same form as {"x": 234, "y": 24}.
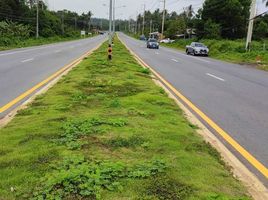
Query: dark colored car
{"x": 197, "y": 48}
{"x": 152, "y": 44}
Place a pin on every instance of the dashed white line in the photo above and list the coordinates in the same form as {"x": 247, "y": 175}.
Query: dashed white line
{"x": 216, "y": 77}
{"x": 28, "y": 60}
{"x": 174, "y": 60}
{"x": 157, "y": 53}
{"x": 57, "y": 51}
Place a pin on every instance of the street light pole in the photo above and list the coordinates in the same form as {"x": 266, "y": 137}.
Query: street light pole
{"x": 163, "y": 21}
{"x": 110, "y": 22}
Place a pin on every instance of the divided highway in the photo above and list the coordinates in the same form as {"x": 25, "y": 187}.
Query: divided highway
{"x": 21, "y": 69}
{"x": 233, "y": 96}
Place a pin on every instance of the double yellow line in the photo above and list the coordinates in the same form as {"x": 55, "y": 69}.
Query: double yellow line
{"x": 250, "y": 158}
{"x": 46, "y": 81}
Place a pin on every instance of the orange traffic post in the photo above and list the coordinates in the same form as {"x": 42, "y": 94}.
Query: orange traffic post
{"x": 110, "y": 52}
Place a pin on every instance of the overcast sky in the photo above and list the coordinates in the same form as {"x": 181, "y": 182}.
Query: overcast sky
{"x": 132, "y": 6}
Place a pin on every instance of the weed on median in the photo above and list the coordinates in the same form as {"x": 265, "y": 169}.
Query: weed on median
{"x": 106, "y": 131}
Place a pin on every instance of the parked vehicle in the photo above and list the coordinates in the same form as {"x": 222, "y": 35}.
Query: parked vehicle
{"x": 152, "y": 44}
{"x": 197, "y": 48}
{"x": 167, "y": 41}
{"x": 142, "y": 37}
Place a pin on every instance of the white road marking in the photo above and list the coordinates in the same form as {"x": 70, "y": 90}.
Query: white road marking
{"x": 28, "y": 60}
{"x": 57, "y": 51}
{"x": 157, "y": 53}
{"x": 32, "y": 49}
{"x": 174, "y": 60}
{"x": 216, "y": 77}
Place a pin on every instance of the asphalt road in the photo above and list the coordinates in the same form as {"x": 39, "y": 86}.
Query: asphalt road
{"x": 21, "y": 69}
{"x": 234, "y": 96}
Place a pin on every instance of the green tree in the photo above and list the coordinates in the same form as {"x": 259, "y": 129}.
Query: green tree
{"x": 261, "y": 30}
{"x": 211, "y": 30}
{"x": 231, "y": 15}
{"x": 175, "y": 27}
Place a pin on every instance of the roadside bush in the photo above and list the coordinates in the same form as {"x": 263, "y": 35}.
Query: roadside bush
{"x": 13, "y": 29}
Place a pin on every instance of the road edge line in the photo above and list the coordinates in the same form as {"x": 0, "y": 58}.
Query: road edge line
{"x": 253, "y": 184}
{"x": 40, "y": 88}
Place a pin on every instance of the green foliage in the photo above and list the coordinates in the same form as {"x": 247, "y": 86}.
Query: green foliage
{"x": 12, "y": 32}
{"x": 18, "y": 22}
{"x": 73, "y": 130}
{"x": 77, "y": 177}
{"x": 261, "y": 30}
{"x": 175, "y": 27}
{"x": 168, "y": 188}
{"x": 230, "y": 15}
{"x": 133, "y": 141}
{"x": 211, "y": 30}
{"x": 145, "y": 71}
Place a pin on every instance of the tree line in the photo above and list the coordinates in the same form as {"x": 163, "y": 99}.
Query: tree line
{"x": 19, "y": 16}
{"x": 226, "y": 19}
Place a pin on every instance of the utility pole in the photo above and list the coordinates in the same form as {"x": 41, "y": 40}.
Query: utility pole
{"x": 62, "y": 22}
{"x": 136, "y": 25}
{"x": 129, "y": 25}
{"x": 151, "y": 22}
{"x": 250, "y": 24}
{"x": 143, "y": 22}
{"x": 113, "y": 16}
{"x": 163, "y": 21}
{"x": 37, "y": 19}
{"x": 110, "y": 22}
{"x": 75, "y": 23}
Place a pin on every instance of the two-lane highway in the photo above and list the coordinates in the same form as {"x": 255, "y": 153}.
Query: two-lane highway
{"x": 22, "y": 69}
{"x": 233, "y": 96}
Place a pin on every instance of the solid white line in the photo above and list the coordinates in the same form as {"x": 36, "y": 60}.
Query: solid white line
{"x": 216, "y": 77}
{"x": 28, "y": 60}
{"x": 174, "y": 60}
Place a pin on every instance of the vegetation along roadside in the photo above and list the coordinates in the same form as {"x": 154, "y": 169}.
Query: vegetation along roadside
{"x": 106, "y": 131}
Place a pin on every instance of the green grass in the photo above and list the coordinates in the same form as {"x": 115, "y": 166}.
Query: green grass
{"x": 231, "y": 51}
{"x": 106, "y": 131}
{"x": 11, "y": 43}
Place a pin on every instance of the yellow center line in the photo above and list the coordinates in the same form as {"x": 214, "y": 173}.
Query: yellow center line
{"x": 250, "y": 158}
{"x": 44, "y": 82}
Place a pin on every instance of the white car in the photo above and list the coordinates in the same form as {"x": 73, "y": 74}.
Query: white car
{"x": 167, "y": 41}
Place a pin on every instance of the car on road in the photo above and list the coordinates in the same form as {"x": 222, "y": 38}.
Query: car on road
{"x": 197, "y": 48}
{"x": 142, "y": 37}
{"x": 167, "y": 41}
{"x": 152, "y": 44}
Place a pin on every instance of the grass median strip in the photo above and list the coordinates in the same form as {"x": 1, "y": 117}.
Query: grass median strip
{"x": 106, "y": 131}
